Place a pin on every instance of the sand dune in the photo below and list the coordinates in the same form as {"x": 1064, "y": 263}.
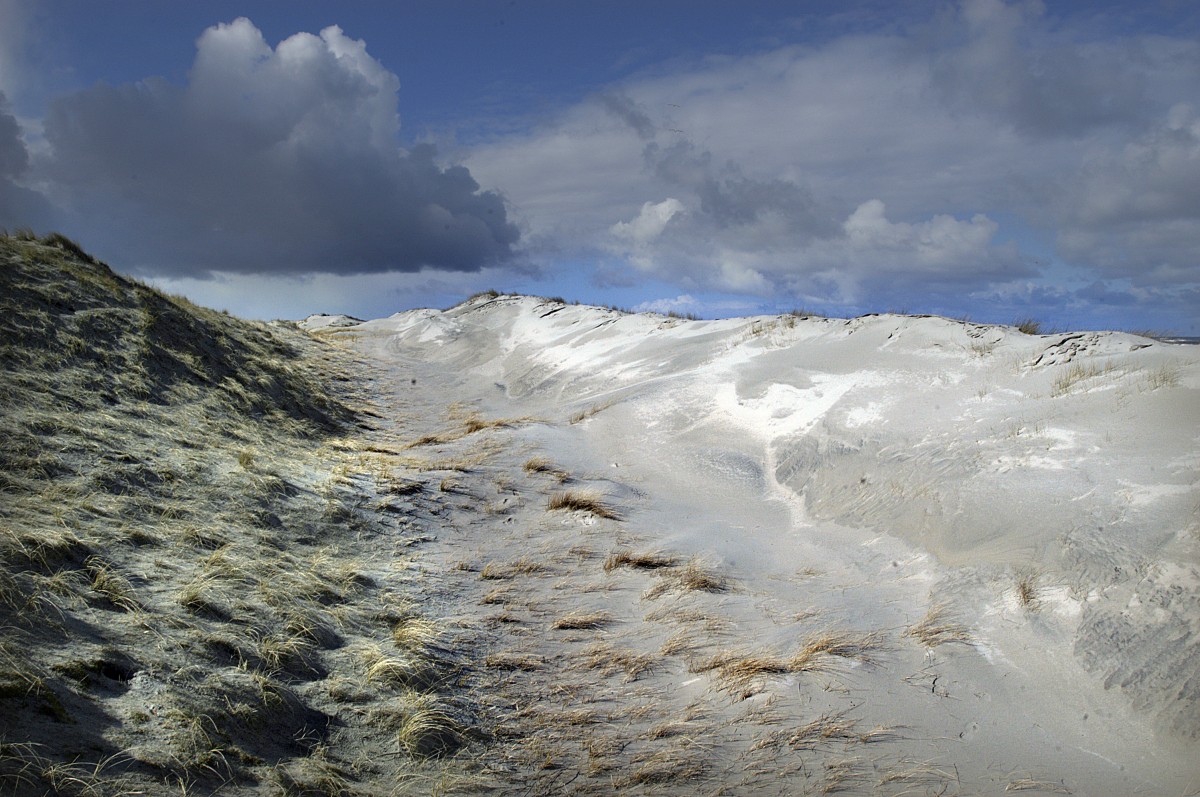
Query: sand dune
{"x": 522, "y": 547}
{"x": 1031, "y": 499}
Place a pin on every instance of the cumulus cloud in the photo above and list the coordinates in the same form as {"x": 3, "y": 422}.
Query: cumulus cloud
{"x": 281, "y": 160}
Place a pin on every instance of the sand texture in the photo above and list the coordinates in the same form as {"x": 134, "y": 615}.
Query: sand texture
{"x": 522, "y": 547}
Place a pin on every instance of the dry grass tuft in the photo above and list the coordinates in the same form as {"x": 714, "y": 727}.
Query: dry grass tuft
{"x": 936, "y": 628}
{"x": 1076, "y": 373}
{"x": 838, "y": 644}
{"x": 107, "y": 582}
{"x": 610, "y": 660}
{"x": 682, "y": 763}
{"x": 1027, "y": 591}
{"x": 423, "y": 725}
{"x": 639, "y": 560}
{"x": 583, "y": 621}
{"x": 498, "y": 571}
{"x": 514, "y": 661}
{"x": 1030, "y": 784}
{"x": 582, "y": 501}
{"x": 415, "y": 634}
{"x": 842, "y": 775}
{"x": 595, "y": 409}
{"x": 744, "y": 674}
{"x": 694, "y": 576}
{"x": 543, "y": 465}
{"x": 823, "y": 729}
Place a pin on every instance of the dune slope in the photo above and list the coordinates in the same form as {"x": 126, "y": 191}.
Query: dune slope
{"x": 205, "y": 584}
{"x": 881, "y": 555}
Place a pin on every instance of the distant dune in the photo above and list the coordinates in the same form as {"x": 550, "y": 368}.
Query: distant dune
{"x": 526, "y": 547}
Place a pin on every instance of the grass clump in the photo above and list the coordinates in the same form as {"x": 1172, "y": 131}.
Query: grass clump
{"x": 693, "y": 576}
{"x": 543, "y": 465}
{"x": 581, "y": 501}
{"x": 583, "y": 621}
{"x": 1076, "y": 373}
{"x": 938, "y": 628}
{"x": 1162, "y": 377}
{"x": 591, "y": 411}
{"x": 610, "y": 660}
{"x": 639, "y": 560}
{"x": 744, "y": 674}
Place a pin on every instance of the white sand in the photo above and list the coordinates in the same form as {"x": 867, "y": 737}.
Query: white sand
{"x": 845, "y": 475}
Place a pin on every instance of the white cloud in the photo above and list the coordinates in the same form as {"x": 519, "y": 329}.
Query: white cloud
{"x": 650, "y": 222}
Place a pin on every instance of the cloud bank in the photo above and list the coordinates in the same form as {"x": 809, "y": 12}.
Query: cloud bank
{"x": 934, "y": 165}
{"x": 279, "y": 160}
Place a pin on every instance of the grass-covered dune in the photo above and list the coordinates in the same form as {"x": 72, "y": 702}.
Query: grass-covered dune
{"x": 197, "y": 586}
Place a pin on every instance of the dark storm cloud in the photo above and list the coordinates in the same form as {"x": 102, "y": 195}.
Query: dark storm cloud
{"x": 19, "y": 206}
{"x": 269, "y": 160}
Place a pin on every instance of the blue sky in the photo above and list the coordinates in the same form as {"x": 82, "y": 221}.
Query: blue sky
{"x": 996, "y": 160}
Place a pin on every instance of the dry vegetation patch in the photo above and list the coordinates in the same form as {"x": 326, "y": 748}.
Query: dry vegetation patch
{"x": 187, "y": 507}
{"x": 695, "y": 575}
{"x": 744, "y": 674}
{"x": 639, "y": 560}
{"x": 582, "y": 501}
{"x": 937, "y": 627}
{"x": 583, "y": 621}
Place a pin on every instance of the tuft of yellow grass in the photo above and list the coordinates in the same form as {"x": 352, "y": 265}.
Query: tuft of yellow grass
{"x": 514, "y": 661}
{"x": 543, "y": 465}
{"x": 610, "y": 660}
{"x": 499, "y": 571}
{"x": 937, "y": 628}
{"x": 695, "y": 576}
{"x": 582, "y": 621}
{"x": 744, "y": 673}
{"x": 639, "y": 560}
{"x": 595, "y": 409}
{"x": 582, "y": 501}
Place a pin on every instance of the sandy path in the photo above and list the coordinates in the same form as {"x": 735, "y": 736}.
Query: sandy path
{"x": 793, "y": 669}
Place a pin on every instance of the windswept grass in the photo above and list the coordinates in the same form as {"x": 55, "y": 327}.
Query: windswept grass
{"x": 1028, "y": 326}
{"x": 470, "y": 425}
{"x": 639, "y": 560}
{"x": 583, "y": 621}
{"x": 543, "y": 465}
{"x": 744, "y": 674}
{"x": 695, "y": 575}
{"x": 589, "y": 412}
{"x": 1077, "y": 373}
{"x": 582, "y": 501}
{"x": 188, "y": 500}
{"x": 609, "y": 660}
{"x": 938, "y": 628}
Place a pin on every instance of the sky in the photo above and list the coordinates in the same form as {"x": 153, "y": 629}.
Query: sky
{"x": 982, "y": 159}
